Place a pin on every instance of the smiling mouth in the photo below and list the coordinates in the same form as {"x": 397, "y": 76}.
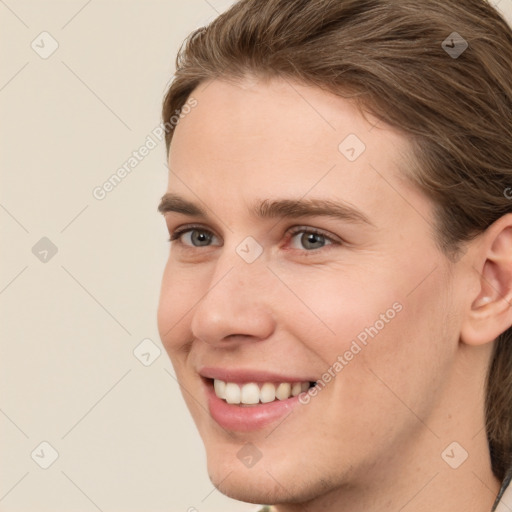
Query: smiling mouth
{"x": 252, "y": 393}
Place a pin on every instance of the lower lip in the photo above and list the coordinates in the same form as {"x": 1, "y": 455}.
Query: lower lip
{"x": 247, "y": 419}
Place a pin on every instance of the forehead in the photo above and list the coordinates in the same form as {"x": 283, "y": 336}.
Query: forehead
{"x": 276, "y": 111}
{"x": 256, "y": 138}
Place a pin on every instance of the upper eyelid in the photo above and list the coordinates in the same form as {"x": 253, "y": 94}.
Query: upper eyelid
{"x": 309, "y": 229}
{"x": 184, "y": 229}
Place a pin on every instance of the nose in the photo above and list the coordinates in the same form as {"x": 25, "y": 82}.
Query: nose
{"x": 237, "y": 305}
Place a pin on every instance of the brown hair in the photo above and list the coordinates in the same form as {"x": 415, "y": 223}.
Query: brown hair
{"x": 388, "y": 56}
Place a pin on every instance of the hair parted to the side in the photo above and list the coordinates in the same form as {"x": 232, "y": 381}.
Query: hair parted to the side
{"x": 387, "y": 56}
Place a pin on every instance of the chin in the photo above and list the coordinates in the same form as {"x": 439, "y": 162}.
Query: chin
{"x": 269, "y": 481}
{"x": 249, "y": 485}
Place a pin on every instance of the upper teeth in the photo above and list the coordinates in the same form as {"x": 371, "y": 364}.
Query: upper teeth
{"x": 252, "y": 393}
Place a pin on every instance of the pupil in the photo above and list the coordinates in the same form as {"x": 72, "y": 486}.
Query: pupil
{"x": 312, "y": 238}
{"x": 200, "y": 237}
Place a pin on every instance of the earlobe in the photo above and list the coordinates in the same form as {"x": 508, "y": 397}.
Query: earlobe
{"x": 490, "y": 312}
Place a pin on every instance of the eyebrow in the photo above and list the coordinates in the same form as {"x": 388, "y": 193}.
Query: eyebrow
{"x": 274, "y": 208}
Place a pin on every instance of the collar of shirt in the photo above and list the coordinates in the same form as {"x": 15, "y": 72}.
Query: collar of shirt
{"x": 503, "y": 501}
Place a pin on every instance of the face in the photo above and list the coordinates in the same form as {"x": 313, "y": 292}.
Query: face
{"x": 301, "y": 255}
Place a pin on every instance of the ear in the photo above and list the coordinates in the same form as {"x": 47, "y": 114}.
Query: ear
{"x": 490, "y": 312}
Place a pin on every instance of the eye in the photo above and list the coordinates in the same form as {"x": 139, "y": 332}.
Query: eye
{"x": 311, "y": 239}
{"x": 193, "y": 236}
{"x": 301, "y": 238}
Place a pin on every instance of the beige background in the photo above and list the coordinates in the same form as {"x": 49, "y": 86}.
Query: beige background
{"x": 70, "y": 323}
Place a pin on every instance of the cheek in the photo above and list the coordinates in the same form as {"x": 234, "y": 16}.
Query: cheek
{"x": 382, "y": 323}
{"x": 337, "y": 306}
{"x": 178, "y": 294}
{"x": 405, "y": 365}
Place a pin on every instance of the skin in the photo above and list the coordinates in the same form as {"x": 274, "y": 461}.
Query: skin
{"x": 372, "y": 439}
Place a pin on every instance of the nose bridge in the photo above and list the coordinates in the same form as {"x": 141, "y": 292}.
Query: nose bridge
{"x": 237, "y": 301}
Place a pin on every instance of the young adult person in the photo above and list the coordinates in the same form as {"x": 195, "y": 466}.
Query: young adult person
{"x": 337, "y": 299}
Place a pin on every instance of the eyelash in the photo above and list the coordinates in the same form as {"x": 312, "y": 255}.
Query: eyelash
{"x": 294, "y": 231}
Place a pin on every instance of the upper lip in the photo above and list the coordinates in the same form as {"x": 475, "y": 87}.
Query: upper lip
{"x": 240, "y": 375}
